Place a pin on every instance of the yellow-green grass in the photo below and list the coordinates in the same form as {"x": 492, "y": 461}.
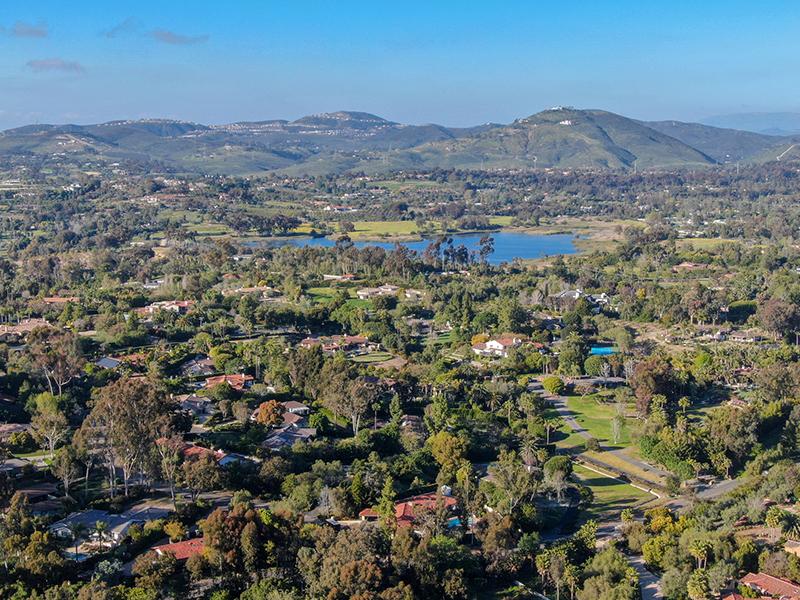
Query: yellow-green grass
{"x": 702, "y": 243}
{"x": 399, "y": 185}
{"x": 596, "y": 419}
{"x": 378, "y": 228}
{"x": 501, "y": 221}
{"x": 611, "y": 496}
{"x": 623, "y": 465}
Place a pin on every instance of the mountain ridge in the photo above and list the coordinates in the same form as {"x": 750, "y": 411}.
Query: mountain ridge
{"x": 361, "y": 141}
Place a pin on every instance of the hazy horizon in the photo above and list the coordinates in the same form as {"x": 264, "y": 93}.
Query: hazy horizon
{"x": 454, "y": 64}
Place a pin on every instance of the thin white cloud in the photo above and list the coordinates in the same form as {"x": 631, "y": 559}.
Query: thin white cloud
{"x": 55, "y": 64}
{"x": 126, "y": 25}
{"x": 168, "y": 37}
{"x": 22, "y": 29}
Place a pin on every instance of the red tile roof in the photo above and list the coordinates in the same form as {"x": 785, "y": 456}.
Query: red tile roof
{"x": 182, "y": 550}
{"x": 407, "y": 510}
{"x": 772, "y": 586}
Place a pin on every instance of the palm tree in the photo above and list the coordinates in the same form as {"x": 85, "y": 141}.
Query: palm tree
{"x": 684, "y": 403}
{"x": 700, "y": 549}
{"x": 78, "y": 530}
{"x": 100, "y": 529}
{"x": 551, "y": 424}
{"x": 527, "y": 451}
{"x": 572, "y": 577}
{"x": 773, "y": 519}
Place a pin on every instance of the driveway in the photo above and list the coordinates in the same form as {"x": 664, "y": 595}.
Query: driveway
{"x": 650, "y": 584}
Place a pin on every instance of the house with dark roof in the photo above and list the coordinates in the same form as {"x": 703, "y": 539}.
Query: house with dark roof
{"x": 288, "y": 436}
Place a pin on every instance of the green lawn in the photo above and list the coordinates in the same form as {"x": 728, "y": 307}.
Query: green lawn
{"x": 389, "y": 228}
{"x": 610, "y": 496}
{"x": 596, "y": 419}
{"x": 373, "y": 357}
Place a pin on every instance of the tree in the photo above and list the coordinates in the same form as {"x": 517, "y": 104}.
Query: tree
{"x": 201, "y": 474}
{"x": 778, "y": 317}
{"x": 153, "y": 571}
{"x": 697, "y": 586}
{"x": 512, "y": 479}
{"x": 129, "y": 415}
{"x": 551, "y": 425}
{"x": 354, "y": 404}
{"x": 100, "y": 528}
{"x": 49, "y": 423}
{"x": 78, "y": 530}
{"x": 773, "y": 519}
{"x": 175, "y": 530}
{"x": 553, "y": 384}
{"x": 700, "y": 550}
{"x": 242, "y": 412}
{"x": 65, "y": 467}
{"x": 57, "y": 354}
{"x": 171, "y": 458}
{"x": 271, "y": 413}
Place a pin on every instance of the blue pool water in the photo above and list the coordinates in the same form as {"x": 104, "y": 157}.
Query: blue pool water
{"x": 601, "y": 350}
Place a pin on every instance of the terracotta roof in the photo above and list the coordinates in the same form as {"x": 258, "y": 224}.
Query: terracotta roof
{"x": 182, "y": 550}
{"x": 773, "y": 586}
{"x": 406, "y": 510}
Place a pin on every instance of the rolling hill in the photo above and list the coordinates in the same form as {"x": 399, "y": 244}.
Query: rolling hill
{"x": 342, "y": 141}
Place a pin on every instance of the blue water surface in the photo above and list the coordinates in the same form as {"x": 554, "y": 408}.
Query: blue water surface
{"x": 507, "y": 245}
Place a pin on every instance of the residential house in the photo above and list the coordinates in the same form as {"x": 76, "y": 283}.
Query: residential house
{"x": 60, "y": 300}
{"x": 746, "y": 337}
{"x": 406, "y": 511}
{"x": 37, "y": 493}
{"x": 384, "y": 290}
{"x": 496, "y": 347}
{"x": 198, "y": 366}
{"x": 13, "y": 467}
{"x": 288, "y": 436}
{"x": 107, "y": 362}
{"x": 297, "y": 408}
{"x": 237, "y": 381}
{"x": 194, "y": 404}
{"x": 768, "y": 585}
{"x": 182, "y": 550}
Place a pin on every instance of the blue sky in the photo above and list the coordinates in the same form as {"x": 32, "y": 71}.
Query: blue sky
{"x": 452, "y": 63}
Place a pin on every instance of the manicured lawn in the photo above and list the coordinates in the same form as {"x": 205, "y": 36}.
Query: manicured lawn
{"x": 596, "y": 419}
{"x": 610, "y": 496}
{"x": 323, "y": 295}
{"x": 441, "y": 339}
{"x": 373, "y": 357}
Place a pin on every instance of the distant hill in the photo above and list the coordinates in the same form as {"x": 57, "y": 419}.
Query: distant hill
{"x": 780, "y": 123}
{"x": 559, "y": 138}
{"x": 359, "y": 141}
{"x": 723, "y": 145}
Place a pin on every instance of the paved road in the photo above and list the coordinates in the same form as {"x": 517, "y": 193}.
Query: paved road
{"x": 650, "y": 584}
{"x": 560, "y": 404}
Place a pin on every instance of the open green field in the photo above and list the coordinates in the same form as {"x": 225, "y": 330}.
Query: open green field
{"x": 372, "y": 357}
{"x": 323, "y": 295}
{"x": 380, "y": 228}
{"x": 400, "y": 185}
{"x": 596, "y": 419}
{"x": 610, "y": 496}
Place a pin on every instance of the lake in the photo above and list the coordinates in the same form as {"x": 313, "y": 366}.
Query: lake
{"x": 507, "y": 245}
